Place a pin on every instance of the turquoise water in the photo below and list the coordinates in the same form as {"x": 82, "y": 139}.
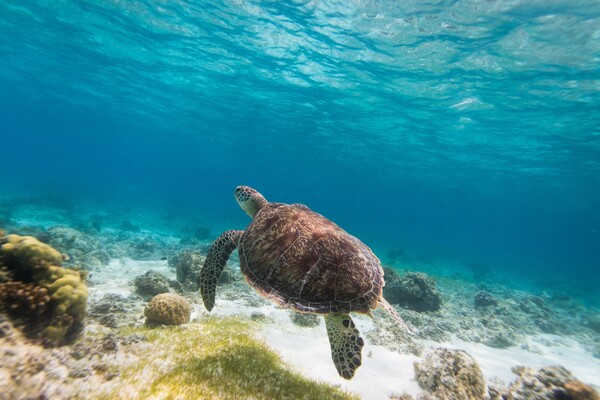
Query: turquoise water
{"x": 463, "y": 133}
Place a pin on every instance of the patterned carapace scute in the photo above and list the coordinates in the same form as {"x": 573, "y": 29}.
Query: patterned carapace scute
{"x": 302, "y": 260}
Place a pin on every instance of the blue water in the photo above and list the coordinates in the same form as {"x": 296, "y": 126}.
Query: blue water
{"x": 450, "y": 132}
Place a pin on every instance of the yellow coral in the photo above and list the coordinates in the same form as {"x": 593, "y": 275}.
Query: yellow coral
{"x": 579, "y": 390}
{"x": 39, "y": 264}
{"x": 69, "y": 294}
{"x": 56, "y": 333}
{"x": 27, "y": 248}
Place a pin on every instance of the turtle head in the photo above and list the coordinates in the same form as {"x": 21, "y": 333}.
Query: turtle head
{"x": 250, "y": 200}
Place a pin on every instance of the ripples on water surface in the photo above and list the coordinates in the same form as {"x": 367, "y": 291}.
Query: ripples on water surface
{"x": 471, "y": 125}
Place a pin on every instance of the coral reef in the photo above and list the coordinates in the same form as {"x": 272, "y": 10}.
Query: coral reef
{"x": 239, "y": 290}
{"x": 549, "y": 383}
{"x": 213, "y": 359}
{"x": 194, "y": 234}
{"x": 47, "y": 300}
{"x": 36, "y": 231}
{"x": 144, "y": 249}
{"x": 21, "y": 251}
{"x": 130, "y": 245}
{"x": 114, "y": 310}
{"x": 451, "y": 374}
{"x": 389, "y": 334}
{"x": 151, "y": 283}
{"x": 117, "y": 349}
{"x": 187, "y": 266}
{"x": 28, "y": 369}
{"x": 96, "y": 258}
{"x": 83, "y": 249}
{"x": 516, "y": 316}
{"x": 168, "y": 309}
{"x": 415, "y": 291}
{"x": 540, "y": 314}
{"x": 484, "y": 299}
{"x": 24, "y": 298}
{"x": 86, "y": 370}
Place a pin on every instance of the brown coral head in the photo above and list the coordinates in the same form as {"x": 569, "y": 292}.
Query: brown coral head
{"x": 5, "y": 273}
{"x": 167, "y": 309}
{"x": 62, "y": 321}
{"x": 577, "y": 390}
{"x": 30, "y": 272}
{"x": 59, "y": 331}
{"x": 25, "y": 299}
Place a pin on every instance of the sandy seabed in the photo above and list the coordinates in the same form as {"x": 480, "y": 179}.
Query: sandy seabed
{"x": 387, "y": 368}
{"x": 383, "y": 372}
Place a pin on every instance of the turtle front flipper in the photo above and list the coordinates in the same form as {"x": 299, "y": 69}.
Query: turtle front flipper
{"x": 213, "y": 265}
{"x": 346, "y": 343}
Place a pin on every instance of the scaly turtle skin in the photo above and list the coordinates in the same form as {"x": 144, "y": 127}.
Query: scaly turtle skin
{"x": 301, "y": 260}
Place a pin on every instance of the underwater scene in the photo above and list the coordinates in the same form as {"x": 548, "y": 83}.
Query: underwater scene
{"x": 303, "y": 199}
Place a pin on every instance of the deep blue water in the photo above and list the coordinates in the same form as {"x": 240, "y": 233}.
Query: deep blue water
{"x": 465, "y": 132}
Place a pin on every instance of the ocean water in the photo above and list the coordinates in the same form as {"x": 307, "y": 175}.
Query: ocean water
{"x": 461, "y": 133}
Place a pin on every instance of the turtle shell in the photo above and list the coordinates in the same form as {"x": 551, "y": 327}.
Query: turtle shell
{"x": 300, "y": 259}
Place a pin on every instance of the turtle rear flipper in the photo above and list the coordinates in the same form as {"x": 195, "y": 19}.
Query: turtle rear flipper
{"x": 383, "y": 303}
{"x": 346, "y": 343}
{"x": 213, "y": 265}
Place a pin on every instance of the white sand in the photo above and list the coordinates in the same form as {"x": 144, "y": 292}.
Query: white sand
{"x": 383, "y": 371}
{"x": 541, "y": 351}
{"x": 118, "y": 275}
{"x": 306, "y": 349}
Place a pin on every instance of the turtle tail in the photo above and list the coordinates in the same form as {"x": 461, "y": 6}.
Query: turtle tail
{"x": 213, "y": 265}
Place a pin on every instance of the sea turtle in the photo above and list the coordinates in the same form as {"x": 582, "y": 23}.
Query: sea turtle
{"x": 301, "y": 260}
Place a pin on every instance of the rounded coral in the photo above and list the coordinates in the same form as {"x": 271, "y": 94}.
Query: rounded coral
{"x": 168, "y": 309}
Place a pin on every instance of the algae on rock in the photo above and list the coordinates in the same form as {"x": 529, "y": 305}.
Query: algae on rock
{"x": 414, "y": 290}
{"x": 151, "y": 283}
{"x": 451, "y": 374}
{"x": 548, "y": 383}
